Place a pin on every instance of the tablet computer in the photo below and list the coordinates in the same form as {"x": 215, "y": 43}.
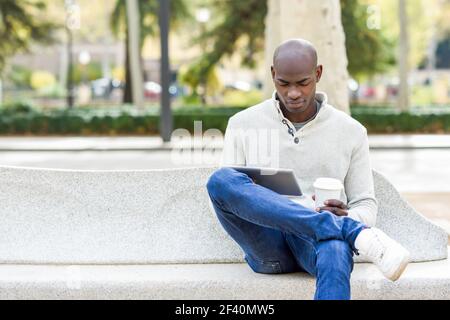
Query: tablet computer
{"x": 282, "y": 181}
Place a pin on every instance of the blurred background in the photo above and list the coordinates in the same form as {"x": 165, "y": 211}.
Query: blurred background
{"x": 102, "y": 84}
{"x": 54, "y": 49}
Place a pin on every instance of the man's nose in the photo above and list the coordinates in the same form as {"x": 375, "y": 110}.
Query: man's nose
{"x": 294, "y": 93}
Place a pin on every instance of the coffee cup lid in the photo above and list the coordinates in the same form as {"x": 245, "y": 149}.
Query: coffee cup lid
{"x": 328, "y": 184}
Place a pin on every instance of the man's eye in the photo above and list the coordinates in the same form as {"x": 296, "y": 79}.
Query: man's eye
{"x": 283, "y": 84}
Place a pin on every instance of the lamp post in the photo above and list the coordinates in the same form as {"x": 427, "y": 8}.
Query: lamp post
{"x": 202, "y": 15}
{"x": 72, "y": 23}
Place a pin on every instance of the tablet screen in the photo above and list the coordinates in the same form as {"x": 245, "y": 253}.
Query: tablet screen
{"x": 282, "y": 181}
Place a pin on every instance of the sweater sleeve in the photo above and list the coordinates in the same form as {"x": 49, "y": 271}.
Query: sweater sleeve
{"x": 359, "y": 186}
{"x": 233, "y": 151}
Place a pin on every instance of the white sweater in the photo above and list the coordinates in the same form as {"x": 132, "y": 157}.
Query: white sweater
{"x": 331, "y": 145}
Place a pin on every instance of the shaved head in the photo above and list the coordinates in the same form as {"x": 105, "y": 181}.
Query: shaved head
{"x": 295, "y": 73}
{"x": 296, "y": 49}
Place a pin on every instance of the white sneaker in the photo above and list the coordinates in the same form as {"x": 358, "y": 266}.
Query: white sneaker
{"x": 387, "y": 254}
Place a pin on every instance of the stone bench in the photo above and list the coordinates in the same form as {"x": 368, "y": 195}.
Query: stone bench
{"x": 151, "y": 234}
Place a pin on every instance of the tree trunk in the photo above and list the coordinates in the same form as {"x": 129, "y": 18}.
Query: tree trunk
{"x": 135, "y": 53}
{"x": 320, "y": 23}
{"x": 403, "y": 94}
{"x": 166, "y": 119}
{"x": 1, "y": 91}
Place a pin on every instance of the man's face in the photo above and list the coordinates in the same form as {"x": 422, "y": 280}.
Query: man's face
{"x": 295, "y": 84}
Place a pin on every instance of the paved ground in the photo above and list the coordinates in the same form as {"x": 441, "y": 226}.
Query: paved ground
{"x": 419, "y": 166}
{"x": 155, "y": 143}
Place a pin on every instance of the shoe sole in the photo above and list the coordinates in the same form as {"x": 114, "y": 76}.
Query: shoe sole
{"x": 403, "y": 264}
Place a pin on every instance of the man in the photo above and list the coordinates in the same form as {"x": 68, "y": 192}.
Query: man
{"x": 308, "y": 135}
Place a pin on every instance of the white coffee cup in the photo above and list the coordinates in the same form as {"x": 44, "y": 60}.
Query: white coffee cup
{"x": 326, "y": 189}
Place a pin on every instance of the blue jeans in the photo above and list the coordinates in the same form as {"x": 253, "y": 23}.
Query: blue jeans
{"x": 278, "y": 235}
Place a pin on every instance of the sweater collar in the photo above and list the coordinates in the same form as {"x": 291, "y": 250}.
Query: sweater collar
{"x": 321, "y": 97}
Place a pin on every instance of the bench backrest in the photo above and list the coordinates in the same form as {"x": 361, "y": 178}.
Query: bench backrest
{"x": 148, "y": 216}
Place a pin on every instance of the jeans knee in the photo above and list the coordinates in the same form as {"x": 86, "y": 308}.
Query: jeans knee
{"x": 219, "y": 181}
{"x": 335, "y": 256}
{"x": 216, "y": 181}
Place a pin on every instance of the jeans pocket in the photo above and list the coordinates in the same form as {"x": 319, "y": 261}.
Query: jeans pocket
{"x": 266, "y": 266}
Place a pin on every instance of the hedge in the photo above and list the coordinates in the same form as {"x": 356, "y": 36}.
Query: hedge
{"x": 417, "y": 120}
{"x": 126, "y": 120}
{"x": 107, "y": 121}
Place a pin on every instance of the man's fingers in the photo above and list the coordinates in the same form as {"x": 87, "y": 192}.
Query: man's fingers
{"x": 334, "y": 210}
{"x": 331, "y": 209}
{"x": 335, "y": 203}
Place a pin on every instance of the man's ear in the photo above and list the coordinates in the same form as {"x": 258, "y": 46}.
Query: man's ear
{"x": 272, "y": 71}
{"x": 319, "y": 71}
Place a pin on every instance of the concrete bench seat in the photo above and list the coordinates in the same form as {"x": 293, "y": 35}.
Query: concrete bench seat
{"x": 429, "y": 280}
{"x": 151, "y": 234}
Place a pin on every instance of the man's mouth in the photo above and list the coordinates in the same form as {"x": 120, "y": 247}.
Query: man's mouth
{"x": 295, "y": 103}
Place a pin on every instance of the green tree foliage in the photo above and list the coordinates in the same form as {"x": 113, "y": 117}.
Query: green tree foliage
{"x": 148, "y": 21}
{"x": 149, "y": 10}
{"x": 241, "y": 20}
{"x": 368, "y": 51}
{"x": 20, "y": 26}
{"x": 429, "y": 24}
{"x": 20, "y": 76}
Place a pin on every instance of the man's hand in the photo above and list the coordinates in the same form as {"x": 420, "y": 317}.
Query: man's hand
{"x": 336, "y": 207}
